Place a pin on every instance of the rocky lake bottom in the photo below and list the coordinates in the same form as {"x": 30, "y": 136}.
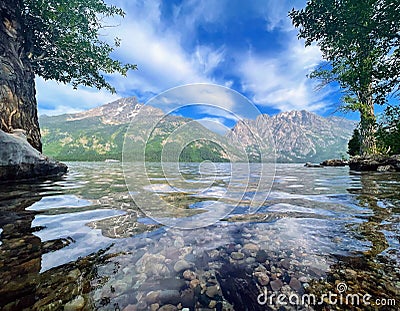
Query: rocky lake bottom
{"x": 324, "y": 239}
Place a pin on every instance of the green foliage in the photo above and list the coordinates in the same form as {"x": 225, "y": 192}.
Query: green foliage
{"x": 388, "y": 132}
{"x": 62, "y": 41}
{"x": 360, "y": 42}
{"x": 201, "y": 151}
{"x": 354, "y": 143}
{"x": 89, "y": 139}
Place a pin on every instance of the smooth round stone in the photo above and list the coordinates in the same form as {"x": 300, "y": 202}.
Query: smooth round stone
{"x": 285, "y": 263}
{"x": 295, "y": 284}
{"x": 168, "y": 307}
{"x": 250, "y": 260}
{"x": 276, "y": 285}
{"x": 261, "y": 256}
{"x": 262, "y": 278}
{"x": 211, "y": 291}
{"x": 187, "y": 298}
{"x": 251, "y": 247}
{"x": 237, "y": 256}
{"x": 152, "y": 297}
{"x": 170, "y": 296}
{"x": 75, "y": 305}
{"x": 154, "y": 307}
{"x": 212, "y": 304}
{"x": 181, "y": 265}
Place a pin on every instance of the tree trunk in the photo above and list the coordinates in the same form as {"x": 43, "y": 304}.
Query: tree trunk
{"x": 367, "y": 124}
{"x": 18, "y": 107}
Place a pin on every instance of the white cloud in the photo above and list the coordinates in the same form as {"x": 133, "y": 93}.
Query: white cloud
{"x": 280, "y": 82}
{"x": 162, "y": 61}
{"x": 208, "y": 59}
{"x": 276, "y": 13}
{"x": 56, "y": 98}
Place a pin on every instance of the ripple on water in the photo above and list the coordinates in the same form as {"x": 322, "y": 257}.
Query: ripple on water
{"x": 299, "y": 229}
{"x": 59, "y": 201}
{"x": 74, "y": 226}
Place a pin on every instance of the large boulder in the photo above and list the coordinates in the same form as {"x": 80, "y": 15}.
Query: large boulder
{"x": 378, "y": 163}
{"x": 19, "y": 160}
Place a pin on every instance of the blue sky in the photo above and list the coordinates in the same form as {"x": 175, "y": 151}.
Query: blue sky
{"x": 249, "y": 46}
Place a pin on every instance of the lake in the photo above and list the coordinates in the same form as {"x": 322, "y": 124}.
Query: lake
{"x": 198, "y": 237}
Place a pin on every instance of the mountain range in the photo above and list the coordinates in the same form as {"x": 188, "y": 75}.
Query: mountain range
{"x": 98, "y": 134}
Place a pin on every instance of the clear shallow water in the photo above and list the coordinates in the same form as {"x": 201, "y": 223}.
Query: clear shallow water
{"x": 82, "y": 241}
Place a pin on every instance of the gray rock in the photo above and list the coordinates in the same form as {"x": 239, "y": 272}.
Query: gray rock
{"x": 19, "y": 160}
{"x": 309, "y": 164}
{"x": 181, "y": 265}
{"x": 237, "y": 256}
{"x": 295, "y": 284}
{"x": 276, "y": 285}
{"x": 187, "y": 298}
{"x": 262, "y": 278}
{"x": 211, "y": 291}
{"x": 152, "y": 297}
{"x": 168, "y": 308}
{"x": 334, "y": 162}
{"x": 375, "y": 163}
{"x": 285, "y": 263}
{"x": 261, "y": 256}
{"x": 169, "y": 296}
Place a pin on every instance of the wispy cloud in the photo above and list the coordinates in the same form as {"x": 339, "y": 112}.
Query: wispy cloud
{"x": 281, "y": 81}
{"x": 162, "y": 60}
{"x": 249, "y": 46}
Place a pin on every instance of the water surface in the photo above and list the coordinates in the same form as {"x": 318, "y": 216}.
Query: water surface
{"x": 81, "y": 241}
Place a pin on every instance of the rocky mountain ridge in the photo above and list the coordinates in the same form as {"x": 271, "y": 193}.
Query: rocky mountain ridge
{"x": 298, "y": 135}
{"x": 98, "y": 133}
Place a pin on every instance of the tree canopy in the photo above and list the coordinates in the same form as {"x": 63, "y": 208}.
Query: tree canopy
{"x": 360, "y": 41}
{"x": 63, "y": 42}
